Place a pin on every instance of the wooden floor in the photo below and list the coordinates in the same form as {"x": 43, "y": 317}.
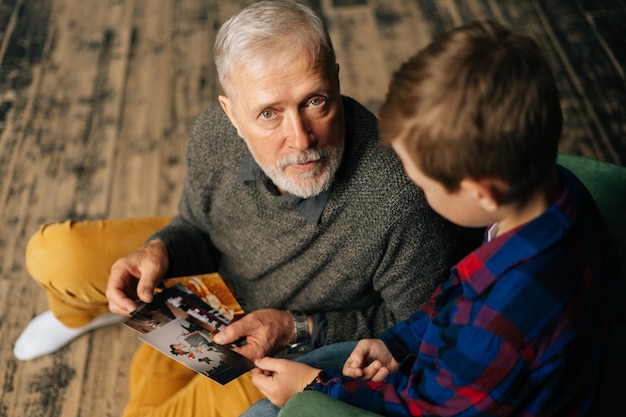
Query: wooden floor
{"x": 96, "y": 97}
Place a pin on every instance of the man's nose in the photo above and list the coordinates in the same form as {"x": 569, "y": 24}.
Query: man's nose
{"x": 299, "y": 135}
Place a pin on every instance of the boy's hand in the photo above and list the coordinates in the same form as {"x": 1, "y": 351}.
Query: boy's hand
{"x": 280, "y": 379}
{"x": 370, "y": 360}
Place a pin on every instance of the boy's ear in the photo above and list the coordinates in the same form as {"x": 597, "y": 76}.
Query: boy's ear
{"x": 486, "y": 193}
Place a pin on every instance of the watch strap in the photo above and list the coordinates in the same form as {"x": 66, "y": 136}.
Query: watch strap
{"x": 301, "y": 328}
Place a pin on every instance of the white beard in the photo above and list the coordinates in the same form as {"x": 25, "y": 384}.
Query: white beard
{"x": 308, "y": 184}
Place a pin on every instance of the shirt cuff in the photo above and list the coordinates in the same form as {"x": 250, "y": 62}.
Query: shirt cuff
{"x": 320, "y": 327}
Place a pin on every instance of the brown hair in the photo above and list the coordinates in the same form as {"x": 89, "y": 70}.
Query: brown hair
{"x": 480, "y": 102}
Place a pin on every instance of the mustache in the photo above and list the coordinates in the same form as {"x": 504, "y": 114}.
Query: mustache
{"x": 308, "y": 155}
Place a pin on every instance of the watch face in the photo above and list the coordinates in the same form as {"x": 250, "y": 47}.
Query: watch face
{"x": 297, "y": 348}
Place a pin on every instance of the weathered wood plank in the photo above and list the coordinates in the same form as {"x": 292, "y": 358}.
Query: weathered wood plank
{"x": 402, "y": 30}
{"x": 359, "y": 52}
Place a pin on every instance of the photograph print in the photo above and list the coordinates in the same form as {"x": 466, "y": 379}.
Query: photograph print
{"x": 193, "y": 346}
{"x": 183, "y": 317}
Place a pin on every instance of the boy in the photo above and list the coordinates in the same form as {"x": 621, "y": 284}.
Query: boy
{"x": 519, "y": 327}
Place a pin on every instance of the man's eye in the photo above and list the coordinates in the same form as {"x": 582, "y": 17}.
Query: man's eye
{"x": 317, "y": 101}
{"x": 267, "y": 114}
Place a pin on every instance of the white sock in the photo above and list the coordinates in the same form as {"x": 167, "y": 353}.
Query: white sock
{"x": 46, "y": 334}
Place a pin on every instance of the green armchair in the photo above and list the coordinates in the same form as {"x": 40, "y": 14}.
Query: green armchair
{"x": 607, "y": 184}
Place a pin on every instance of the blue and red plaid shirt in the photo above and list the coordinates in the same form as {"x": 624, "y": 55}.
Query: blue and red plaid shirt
{"x": 518, "y": 329}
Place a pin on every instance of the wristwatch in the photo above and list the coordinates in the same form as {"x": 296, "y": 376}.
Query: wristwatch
{"x": 302, "y": 337}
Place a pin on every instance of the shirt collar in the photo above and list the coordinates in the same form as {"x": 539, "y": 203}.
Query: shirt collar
{"x": 310, "y": 208}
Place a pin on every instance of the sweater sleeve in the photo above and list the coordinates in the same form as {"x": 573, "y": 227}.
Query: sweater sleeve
{"x": 190, "y": 249}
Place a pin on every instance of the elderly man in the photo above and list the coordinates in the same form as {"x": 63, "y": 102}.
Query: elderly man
{"x": 310, "y": 219}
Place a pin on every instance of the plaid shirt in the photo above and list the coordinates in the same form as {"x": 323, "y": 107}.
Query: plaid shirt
{"x": 518, "y": 329}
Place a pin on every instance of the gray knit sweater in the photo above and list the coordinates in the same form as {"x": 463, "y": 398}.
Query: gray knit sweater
{"x": 375, "y": 255}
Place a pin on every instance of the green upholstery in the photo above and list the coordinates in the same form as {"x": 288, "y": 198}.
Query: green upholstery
{"x": 316, "y": 404}
{"x": 607, "y": 184}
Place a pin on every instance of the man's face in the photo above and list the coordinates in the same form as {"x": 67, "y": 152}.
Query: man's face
{"x": 291, "y": 117}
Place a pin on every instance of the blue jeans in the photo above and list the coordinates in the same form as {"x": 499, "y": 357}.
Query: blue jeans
{"x": 330, "y": 356}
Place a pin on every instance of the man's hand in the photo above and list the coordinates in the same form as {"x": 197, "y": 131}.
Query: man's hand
{"x": 280, "y": 379}
{"x": 370, "y": 360}
{"x": 266, "y": 331}
{"x": 135, "y": 277}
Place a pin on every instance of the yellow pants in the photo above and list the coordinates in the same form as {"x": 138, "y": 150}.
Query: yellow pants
{"x": 72, "y": 261}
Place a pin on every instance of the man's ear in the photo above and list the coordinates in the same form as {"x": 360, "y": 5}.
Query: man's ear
{"x": 225, "y": 103}
{"x": 485, "y": 192}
